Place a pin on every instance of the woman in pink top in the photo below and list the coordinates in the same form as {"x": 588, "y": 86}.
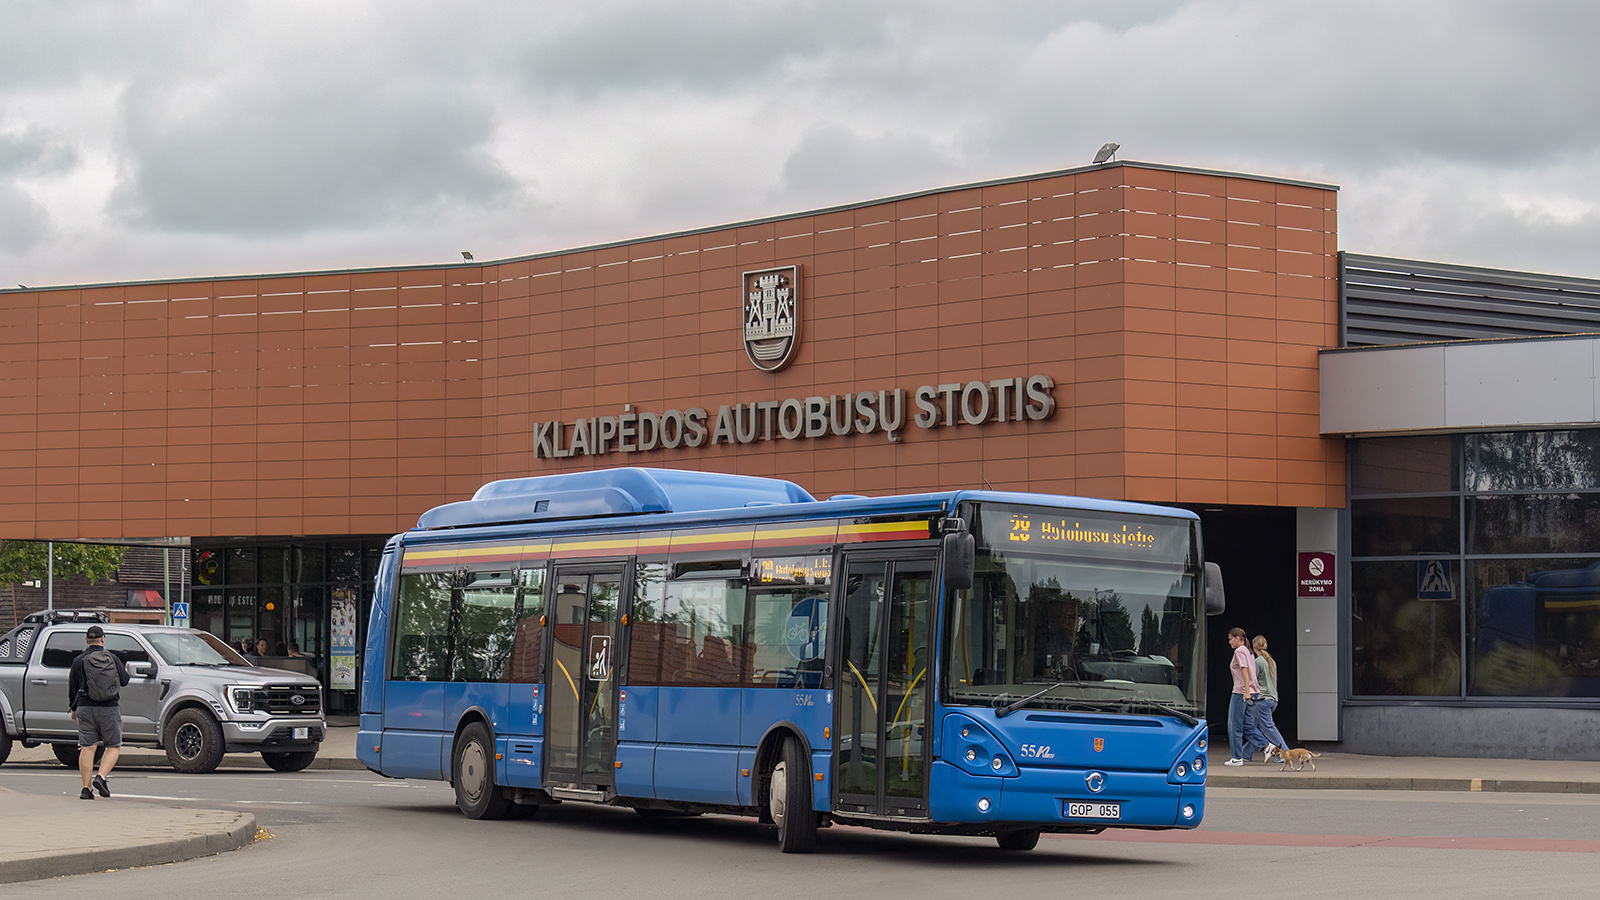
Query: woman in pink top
{"x": 1243, "y": 669}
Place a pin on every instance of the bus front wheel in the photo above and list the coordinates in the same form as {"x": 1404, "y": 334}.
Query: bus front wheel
{"x": 477, "y": 796}
{"x": 790, "y": 800}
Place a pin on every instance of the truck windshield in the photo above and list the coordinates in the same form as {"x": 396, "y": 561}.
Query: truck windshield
{"x": 198, "y": 648}
{"x": 1086, "y": 611}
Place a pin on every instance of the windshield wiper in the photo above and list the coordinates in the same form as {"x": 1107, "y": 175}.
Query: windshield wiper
{"x": 1015, "y": 705}
{"x": 1127, "y": 704}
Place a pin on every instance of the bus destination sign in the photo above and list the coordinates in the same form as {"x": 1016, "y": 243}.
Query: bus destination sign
{"x": 795, "y": 570}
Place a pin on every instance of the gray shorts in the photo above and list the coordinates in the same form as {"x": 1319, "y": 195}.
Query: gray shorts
{"x": 99, "y": 725}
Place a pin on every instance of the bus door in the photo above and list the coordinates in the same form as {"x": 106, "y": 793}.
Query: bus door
{"x": 881, "y": 684}
{"x": 581, "y": 679}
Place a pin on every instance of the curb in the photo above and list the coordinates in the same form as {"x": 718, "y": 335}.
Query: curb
{"x": 82, "y": 862}
{"x": 1359, "y": 783}
{"x": 232, "y": 761}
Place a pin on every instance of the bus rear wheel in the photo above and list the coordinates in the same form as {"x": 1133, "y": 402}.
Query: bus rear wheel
{"x": 1026, "y": 839}
{"x": 477, "y": 796}
{"x": 790, "y": 799}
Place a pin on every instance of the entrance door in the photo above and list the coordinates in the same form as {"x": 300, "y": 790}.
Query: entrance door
{"x": 881, "y": 686}
{"x": 581, "y": 680}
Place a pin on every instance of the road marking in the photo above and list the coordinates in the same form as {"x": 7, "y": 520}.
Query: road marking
{"x": 1526, "y": 845}
{"x": 213, "y": 800}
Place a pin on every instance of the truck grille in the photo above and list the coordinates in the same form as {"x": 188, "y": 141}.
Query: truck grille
{"x": 278, "y": 700}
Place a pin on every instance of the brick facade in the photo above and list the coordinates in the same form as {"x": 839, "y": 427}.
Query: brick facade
{"x": 1178, "y": 313}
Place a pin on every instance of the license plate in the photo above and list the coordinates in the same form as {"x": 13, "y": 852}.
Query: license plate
{"x": 1093, "y": 810}
{"x": 301, "y": 734}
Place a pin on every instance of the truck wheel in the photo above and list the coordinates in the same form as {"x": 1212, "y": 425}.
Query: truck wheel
{"x": 288, "y": 762}
{"x": 472, "y": 772}
{"x": 194, "y": 741}
{"x": 1026, "y": 839}
{"x": 68, "y": 754}
{"x": 5, "y": 745}
{"x": 790, "y": 799}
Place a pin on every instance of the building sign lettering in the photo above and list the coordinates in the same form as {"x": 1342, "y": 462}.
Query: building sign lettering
{"x": 937, "y": 406}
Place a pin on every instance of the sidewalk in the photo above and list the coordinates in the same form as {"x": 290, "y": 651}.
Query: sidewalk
{"x": 1355, "y": 772}
{"x": 44, "y": 836}
{"x": 47, "y": 836}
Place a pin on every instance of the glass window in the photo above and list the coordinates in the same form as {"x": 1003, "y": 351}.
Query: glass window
{"x": 528, "y": 641}
{"x": 309, "y": 564}
{"x": 62, "y": 648}
{"x": 700, "y": 641}
{"x": 207, "y": 612}
{"x": 1406, "y": 629}
{"x": 647, "y": 630}
{"x": 788, "y": 636}
{"x": 127, "y": 647}
{"x": 1535, "y": 628}
{"x": 1533, "y": 461}
{"x": 1533, "y": 523}
{"x": 486, "y": 626}
{"x": 1406, "y": 465}
{"x": 1403, "y": 526}
{"x": 275, "y": 565}
{"x": 422, "y": 628}
{"x": 344, "y": 562}
{"x": 196, "y": 648}
{"x": 242, "y": 565}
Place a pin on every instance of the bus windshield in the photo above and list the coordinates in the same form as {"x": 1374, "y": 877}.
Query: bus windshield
{"x": 1088, "y": 611}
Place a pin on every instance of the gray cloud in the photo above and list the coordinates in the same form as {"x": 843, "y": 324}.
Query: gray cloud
{"x": 306, "y": 154}
{"x": 1466, "y": 131}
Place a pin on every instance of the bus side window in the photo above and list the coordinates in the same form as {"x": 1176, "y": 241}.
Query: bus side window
{"x": 422, "y": 628}
{"x": 699, "y": 644}
{"x": 788, "y": 634}
{"x": 528, "y": 638}
{"x": 647, "y": 632}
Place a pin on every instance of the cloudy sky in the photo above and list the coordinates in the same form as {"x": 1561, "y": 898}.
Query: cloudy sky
{"x": 155, "y": 140}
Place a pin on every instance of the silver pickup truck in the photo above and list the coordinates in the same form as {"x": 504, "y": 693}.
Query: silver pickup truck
{"x": 190, "y": 694}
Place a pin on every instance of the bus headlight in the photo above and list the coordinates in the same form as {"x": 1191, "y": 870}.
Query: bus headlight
{"x": 1188, "y": 810}
{"x": 972, "y": 754}
{"x": 997, "y": 763}
{"x": 1182, "y": 770}
{"x": 1199, "y": 765}
{"x": 983, "y": 804}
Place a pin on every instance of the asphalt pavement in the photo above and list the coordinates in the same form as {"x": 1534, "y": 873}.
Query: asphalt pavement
{"x": 46, "y": 836}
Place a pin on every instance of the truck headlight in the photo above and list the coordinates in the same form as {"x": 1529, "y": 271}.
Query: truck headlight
{"x": 243, "y": 698}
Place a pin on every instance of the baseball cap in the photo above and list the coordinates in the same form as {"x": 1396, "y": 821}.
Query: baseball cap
{"x": 94, "y": 632}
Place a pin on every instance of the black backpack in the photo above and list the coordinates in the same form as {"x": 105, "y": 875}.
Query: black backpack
{"x": 100, "y": 679}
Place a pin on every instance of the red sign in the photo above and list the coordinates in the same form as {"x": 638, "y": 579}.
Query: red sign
{"x": 1314, "y": 574}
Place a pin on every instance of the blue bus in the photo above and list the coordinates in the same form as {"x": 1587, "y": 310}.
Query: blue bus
{"x": 966, "y": 662}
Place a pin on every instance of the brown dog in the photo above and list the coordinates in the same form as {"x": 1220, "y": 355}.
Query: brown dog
{"x": 1299, "y": 758}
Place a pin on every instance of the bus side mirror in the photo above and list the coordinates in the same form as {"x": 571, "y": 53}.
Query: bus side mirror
{"x": 1216, "y": 603}
{"x": 960, "y": 555}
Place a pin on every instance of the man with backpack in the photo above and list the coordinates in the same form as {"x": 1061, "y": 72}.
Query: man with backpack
{"x": 94, "y": 686}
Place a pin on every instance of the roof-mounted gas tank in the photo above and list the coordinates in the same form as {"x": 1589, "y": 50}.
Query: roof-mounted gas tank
{"x": 610, "y": 492}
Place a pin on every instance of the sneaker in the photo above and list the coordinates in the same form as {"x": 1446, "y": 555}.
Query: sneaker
{"x": 99, "y": 783}
{"x": 1236, "y": 761}
{"x": 86, "y": 794}
{"x": 1271, "y": 749}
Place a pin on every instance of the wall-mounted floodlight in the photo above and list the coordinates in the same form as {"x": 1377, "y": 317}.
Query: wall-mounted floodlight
{"x": 467, "y": 254}
{"x": 1106, "y": 152}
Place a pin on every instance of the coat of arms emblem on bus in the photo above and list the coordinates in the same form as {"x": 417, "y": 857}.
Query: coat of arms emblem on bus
{"x": 771, "y": 316}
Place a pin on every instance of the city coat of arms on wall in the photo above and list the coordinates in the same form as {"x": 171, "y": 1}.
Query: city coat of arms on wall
{"x": 772, "y": 316}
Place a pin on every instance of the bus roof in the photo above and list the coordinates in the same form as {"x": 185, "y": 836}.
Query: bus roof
{"x": 572, "y": 500}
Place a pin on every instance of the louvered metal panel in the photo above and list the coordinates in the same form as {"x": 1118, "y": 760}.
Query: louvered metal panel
{"x": 1401, "y": 301}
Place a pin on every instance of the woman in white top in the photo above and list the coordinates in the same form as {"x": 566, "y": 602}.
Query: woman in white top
{"x": 1267, "y": 677}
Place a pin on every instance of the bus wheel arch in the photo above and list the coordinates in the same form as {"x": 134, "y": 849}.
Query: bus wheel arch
{"x": 769, "y": 752}
{"x": 478, "y": 796}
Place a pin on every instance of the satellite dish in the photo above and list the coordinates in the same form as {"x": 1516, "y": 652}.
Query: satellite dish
{"x": 1106, "y": 152}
